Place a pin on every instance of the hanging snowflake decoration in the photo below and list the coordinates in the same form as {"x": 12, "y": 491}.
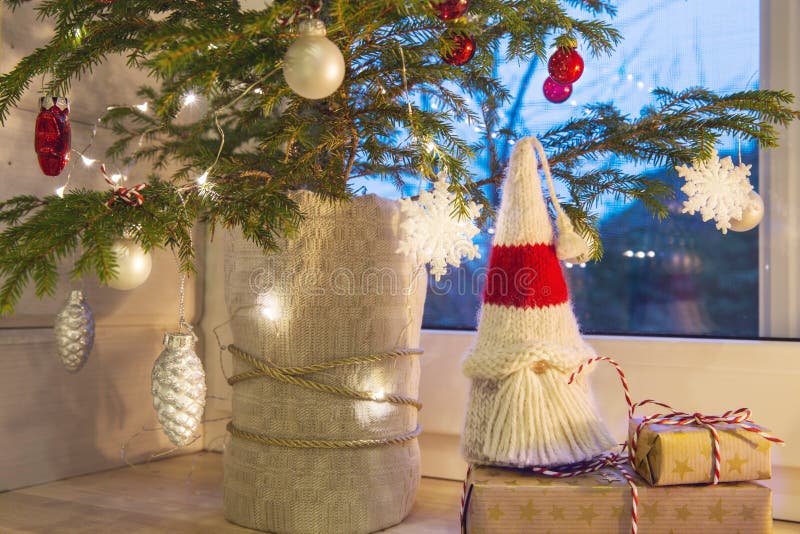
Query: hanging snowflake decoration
{"x": 432, "y": 234}
{"x": 717, "y": 189}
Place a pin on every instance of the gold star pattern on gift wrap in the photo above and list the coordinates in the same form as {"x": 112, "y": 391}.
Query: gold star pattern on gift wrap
{"x": 528, "y": 512}
{"x": 495, "y": 513}
{"x": 587, "y": 514}
{"x": 747, "y": 512}
{"x": 650, "y": 511}
{"x": 682, "y": 467}
{"x": 557, "y": 512}
{"x": 764, "y": 475}
{"x": 716, "y": 512}
{"x": 683, "y": 513}
{"x": 736, "y": 463}
{"x": 619, "y": 512}
{"x": 763, "y": 445}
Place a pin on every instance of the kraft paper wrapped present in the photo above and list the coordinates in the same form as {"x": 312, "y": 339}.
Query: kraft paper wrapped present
{"x": 516, "y": 501}
{"x": 669, "y": 455}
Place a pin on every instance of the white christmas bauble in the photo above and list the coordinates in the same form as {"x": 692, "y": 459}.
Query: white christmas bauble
{"x": 313, "y": 66}
{"x": 751, "y": 215}
{"x": 179, "y": 388}
{"x": 133, "y": 264}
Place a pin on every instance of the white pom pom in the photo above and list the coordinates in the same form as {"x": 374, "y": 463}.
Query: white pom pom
{"x": 571, "y": 247}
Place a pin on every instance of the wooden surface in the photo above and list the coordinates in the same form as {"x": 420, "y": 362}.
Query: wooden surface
{"x": 184, "y": 495}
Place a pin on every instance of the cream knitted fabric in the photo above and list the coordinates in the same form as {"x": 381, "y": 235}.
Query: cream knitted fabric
{"x": 521, "y": 410}
{"x": 337, "y": 289}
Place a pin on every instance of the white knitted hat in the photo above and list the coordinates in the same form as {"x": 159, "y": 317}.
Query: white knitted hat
{"x": 522, "y": 412}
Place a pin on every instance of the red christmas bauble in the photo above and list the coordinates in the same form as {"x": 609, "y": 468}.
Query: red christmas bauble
{"x": 449, "y": 9}
{"x": 53, "y": 135}
{"x": 462, "y": 47}
{"x": 555, "y": 92}
{"x": 565, "y": 66}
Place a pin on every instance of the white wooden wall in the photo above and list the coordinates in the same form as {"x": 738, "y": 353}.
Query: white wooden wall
{"x": 52, "y": 424}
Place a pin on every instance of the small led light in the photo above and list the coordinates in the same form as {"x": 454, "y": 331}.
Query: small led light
{"x": 60, "y": 191}
{"x": 568, "y": 264}
{"x": 651, "y": 253}
{"x": 628, "y": 253}
{"x": 583, "y": 265}
{"x": 142, "y": 107}
{"x": 494, "y": 135}
{"x": 258, "y": 91}
{"x": 87, "y": 161}
{"x": 511, "y": 142}
{"x": 490, "y": 231}
{"x": 189, "y": 99}
{"x": 640, "y": 85}
{"x": 268, "y": 307}
{"x": 629, "y": 77}
{"x": 573, "y": 103}
{"x": 640, "y": 254}
{"x": 379, "y": 395}
{"x": 202, "y": 179}
{"x": 115, "y": 178}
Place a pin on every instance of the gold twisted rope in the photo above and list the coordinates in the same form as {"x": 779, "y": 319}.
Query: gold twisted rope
{"x": 290, "y": 375}
{"x": 322, "y": 443}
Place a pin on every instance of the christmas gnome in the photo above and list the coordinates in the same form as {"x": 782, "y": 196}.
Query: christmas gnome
{"x": 522, "y": 412}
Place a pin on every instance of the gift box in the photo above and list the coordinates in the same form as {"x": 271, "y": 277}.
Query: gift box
{"x": 509, "y": 501}
{"x": 668, "y": 455}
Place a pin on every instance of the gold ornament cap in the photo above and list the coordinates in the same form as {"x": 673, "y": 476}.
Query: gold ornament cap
{"x": 178, "y": 340}
{"x": 312, "y": 28}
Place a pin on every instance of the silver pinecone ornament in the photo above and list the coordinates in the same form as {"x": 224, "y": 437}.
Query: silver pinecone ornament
{"x": 179, "y": 388}
{"x": 74, "y": 331}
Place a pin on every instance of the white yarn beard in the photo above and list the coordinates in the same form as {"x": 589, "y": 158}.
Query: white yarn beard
{"x": 519, "y": 418}
{"x": 532, "y": 419}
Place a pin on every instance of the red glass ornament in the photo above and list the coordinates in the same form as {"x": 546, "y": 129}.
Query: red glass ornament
{"x": 53, "y": 135}
{"x": 449, "y": 9}
{"x": 565, "y": 66}
{"x": 462, "y": 48}
{"x": 555, "y": 92}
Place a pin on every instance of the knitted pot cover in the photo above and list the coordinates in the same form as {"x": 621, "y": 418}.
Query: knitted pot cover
{"x": 521, "y": 410}
{"x": 335, "y": 290}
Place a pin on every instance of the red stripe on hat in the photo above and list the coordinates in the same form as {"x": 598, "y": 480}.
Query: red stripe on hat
{"x": 525, "y": 276}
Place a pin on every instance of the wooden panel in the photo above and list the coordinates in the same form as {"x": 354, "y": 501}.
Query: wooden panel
{"x": 55, "y": 425}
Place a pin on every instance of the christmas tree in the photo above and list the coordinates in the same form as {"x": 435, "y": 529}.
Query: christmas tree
{"x": 259, "y": 139}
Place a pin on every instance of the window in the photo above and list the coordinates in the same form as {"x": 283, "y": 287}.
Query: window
{"x": 681, "y": 276}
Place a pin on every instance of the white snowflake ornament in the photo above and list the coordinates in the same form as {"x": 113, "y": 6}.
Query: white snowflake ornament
{"x": 432, "y": 234}
{"x": 717, "y": 189}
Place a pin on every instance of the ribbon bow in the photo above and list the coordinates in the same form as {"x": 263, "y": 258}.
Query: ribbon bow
{"x": 617, "y": 460}
{"x": 310, "y": 9}
{"x": 129, "y": 195}
{"x": 739, "y": 417}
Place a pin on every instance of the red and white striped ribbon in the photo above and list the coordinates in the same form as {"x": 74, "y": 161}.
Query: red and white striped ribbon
{"x": 463, "y": 511}
{"x": 129, "y": 195}
{"x": 617, "y": 460}
{"x": 739, "y": 417}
